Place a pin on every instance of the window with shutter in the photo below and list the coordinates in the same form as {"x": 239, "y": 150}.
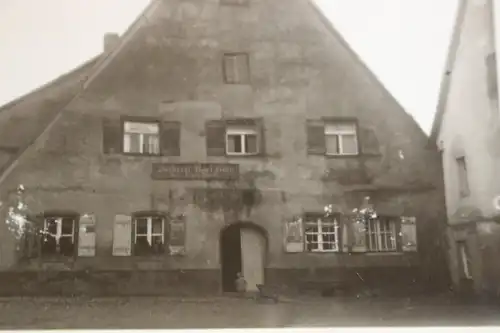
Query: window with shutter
{"x": 170, "y": 138}
{"x": 59, "y": 236}
{"x": 381, "y": 235}
{"x": 341, "y": 138}
{"x": 112, "y": 136}
{"x": 409, "y": 234}
{"x": 215, "y": 132}
{"x": 316, "y": 144}
{"x": 236, "y": 68}
{"x": 177, "y": 241}
{"x": 86, "y": 236}
{"x": 322, "y": 234}
{"x": 141, "y": 138}
{"x": 294, "y": 236}
{"x": 122, "y": 235}
{"x": 149, "y": 235}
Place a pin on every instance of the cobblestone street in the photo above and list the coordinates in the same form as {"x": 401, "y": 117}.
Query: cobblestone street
{"x": 28, "y": 313}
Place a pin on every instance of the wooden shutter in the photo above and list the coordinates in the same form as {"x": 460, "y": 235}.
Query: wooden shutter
{"x": 122, "y": 235}
{"x": 491, "y": 73}
{"x": 368, "y": 141}
{"x": 170, "y": 138}
{"x": 86, "y": 236}
{"x": 215, "y": 131}
{"x": 408, "y": 234}
{"x": 344, "y": 235}
{"x": 259, "y": 124}
{"x": 359, "y": 234}
{"x": 112, "y": 136}
{"x": 177, "y": 236}
{"x": 294, "y": 236}
{"x": 316, "y": 144}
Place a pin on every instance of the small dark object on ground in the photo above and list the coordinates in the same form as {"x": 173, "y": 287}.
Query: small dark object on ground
{"x": 267, "y": 293}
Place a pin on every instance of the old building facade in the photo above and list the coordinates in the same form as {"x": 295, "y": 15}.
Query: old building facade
{"x": 206, "y": 141}
{"x": 466, "y": 131}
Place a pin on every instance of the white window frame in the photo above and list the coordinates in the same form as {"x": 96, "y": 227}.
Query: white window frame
{"x": 144, "y": 128}
{"x": 243, "y": 132}
{"x": 332, "y": 129}
{"x": 149, "y": 233}
{"x": 320, "y": 224}
{"x": 374, "y": 228}
{"x": 58, "y": 235}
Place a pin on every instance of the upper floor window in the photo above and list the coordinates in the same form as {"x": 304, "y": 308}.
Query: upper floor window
{"x": 381, "y": 235}
{"x": 341, "y": 139}
{"x": 59, "y": 236}
{"x": 463, "y": 179}
{"x": 242, "y": 141}
{"x": 141, "y": 138}
{"x": 321, "y": 234}
{"x": 236, "y": 68}
{"x": 149, "y": 235}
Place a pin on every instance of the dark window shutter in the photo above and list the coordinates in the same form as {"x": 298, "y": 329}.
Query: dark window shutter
{"x": 177, "y": 236}
{"x": 368, "y": 141}
{"x": 316, "y": 144}
{"x": 259, "y": 124}
{"x": 112, "y": 138}
{"x": 170, "y": 138}
{"x": 215, "y": 131}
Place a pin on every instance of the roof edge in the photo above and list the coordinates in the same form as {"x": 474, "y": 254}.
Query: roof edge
{"x": 124, "y": 39}
{"x": 448, "y": 69}
{"x": 73, "y": 72}
{"x": 337, "y": 35}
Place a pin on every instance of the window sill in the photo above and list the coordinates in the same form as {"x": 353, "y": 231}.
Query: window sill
{"x": 140, "y": 155}
{"x": 352, "y": 156}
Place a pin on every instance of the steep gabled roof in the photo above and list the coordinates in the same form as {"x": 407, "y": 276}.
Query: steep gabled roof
{"x": 448, "y": 71}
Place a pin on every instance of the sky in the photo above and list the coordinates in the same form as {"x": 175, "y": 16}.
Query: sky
{"x": 404, "y": 42}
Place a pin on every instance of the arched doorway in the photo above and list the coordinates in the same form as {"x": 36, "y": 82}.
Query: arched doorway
{"x": 243, "y": 249}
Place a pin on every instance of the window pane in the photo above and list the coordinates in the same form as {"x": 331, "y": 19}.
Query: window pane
{"x": 142, "y": 226}
{"x": 234, "y": 144}
{"x": 67, "y": 226}
{"x": 51, "y": 225}
{"x": 251, "y": 144}
{"x": 142, "y": 246}
{"x": 144, "y": 128}
{"x": 151, "y": 144}
{"x": 340, "y": 128}
{"x": 66, "y": 246}
{"x": 132, "y": 143}
{"x": 332, "y": 144}
{"x": 157, "y": 225}
{"x": 349, "y": 144}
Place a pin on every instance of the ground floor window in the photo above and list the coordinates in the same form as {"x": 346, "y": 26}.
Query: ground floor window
{"x": 59, "y": 236}
{"x": 321, "y": 234}
{"x": 381, "y": 235}
{"x": 149, "y": 235}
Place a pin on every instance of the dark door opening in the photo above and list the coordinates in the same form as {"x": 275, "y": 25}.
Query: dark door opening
{"x": 230, "y": 257}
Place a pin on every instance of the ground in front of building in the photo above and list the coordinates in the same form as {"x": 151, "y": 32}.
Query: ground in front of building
{"x": 150, "y": 313}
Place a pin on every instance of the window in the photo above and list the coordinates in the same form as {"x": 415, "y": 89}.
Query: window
{"x": 236, "y": 68}
{"x": 463, "y": 180}
{"x": 465, "y": 260}
{"x": 381, "y": 234}
{"x": 59, "y": 236}
{"x": 321, "y": 234}
{"x": 341, "y": 139}
{"x": 141, "y": 138}
{"x": 242, "y": 141}
{"x": 149, "y": 235}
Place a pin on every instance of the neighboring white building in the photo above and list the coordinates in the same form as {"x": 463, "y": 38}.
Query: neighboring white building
{"x": 467, "y": 132}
